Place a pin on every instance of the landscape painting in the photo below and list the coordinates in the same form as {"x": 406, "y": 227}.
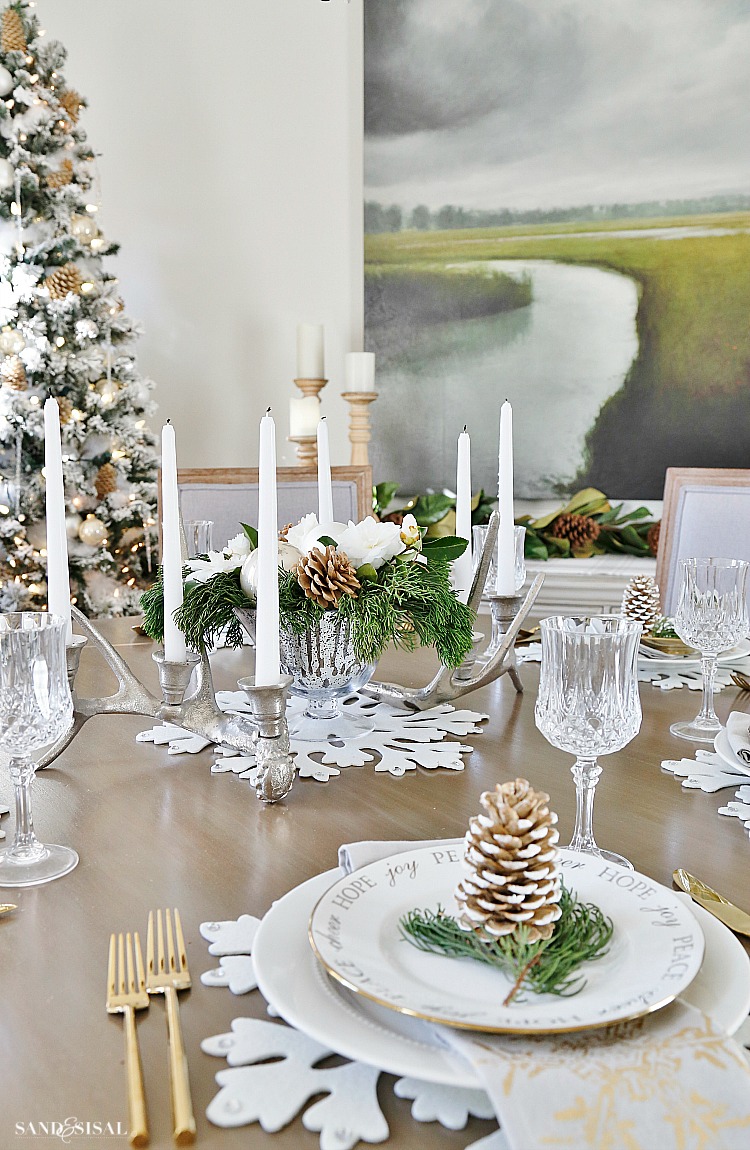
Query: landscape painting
{"x": 558, "y": 213}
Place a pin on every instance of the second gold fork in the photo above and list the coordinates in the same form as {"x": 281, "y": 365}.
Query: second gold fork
{"x": 166, "y": 973}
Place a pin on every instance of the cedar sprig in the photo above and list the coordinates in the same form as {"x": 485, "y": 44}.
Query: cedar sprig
{"x": 549, "y": 966}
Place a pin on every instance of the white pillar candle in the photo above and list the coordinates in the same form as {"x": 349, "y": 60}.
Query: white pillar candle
{"x": 58, "y": 576}
{"x": 310, "y": 358}
{"x": 304, "y": 415}
{"x": 360, "y": 371}
{"x": 175, "y": 650}
{"x": 505, "y": 583}
{"x": 325, "y": 491}
{"x": 267, "y": 669}
{"x": 462, "y": 567}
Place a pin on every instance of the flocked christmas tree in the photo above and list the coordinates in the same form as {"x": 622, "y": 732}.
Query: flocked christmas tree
{"x": 64, "y": 333}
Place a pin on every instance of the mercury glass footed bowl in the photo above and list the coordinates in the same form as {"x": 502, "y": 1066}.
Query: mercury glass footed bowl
{"x": 325, "y": 670}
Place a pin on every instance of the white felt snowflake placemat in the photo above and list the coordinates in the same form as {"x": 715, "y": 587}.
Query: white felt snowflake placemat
{"x": 400, "y": 740}
{"x": 709, "y": 772}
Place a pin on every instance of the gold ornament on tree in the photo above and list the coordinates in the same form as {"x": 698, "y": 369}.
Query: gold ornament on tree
{"x": 13, "y": 36}
{"x": 65, "y": 407}
{"x": 580, "y": 530}
{"x": 106, "y": 480}
{"x": 512, "y": 865}
{"x": 92, "y": 531}
{"x": 14, "y": 373}
{"x": 72, "y": 102}
{"x": 62, "y": 176}
{"x": 325, "y": 576}
{"x": 640, "y": 601}
{"x": 62, "y": 281}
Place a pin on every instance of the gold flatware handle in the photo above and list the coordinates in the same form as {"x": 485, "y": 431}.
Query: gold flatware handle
{"x": 720, "y": 907}
{"x": 182, "y": 1104}
{"x": 138, "y": 1120}
{"x": 7, "y": 907}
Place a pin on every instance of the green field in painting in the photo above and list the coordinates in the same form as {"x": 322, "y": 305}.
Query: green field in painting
{"x": 686, "y": 400}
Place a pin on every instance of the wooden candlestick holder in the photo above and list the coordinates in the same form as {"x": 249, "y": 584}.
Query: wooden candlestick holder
{"x": 307, "y": 450}
{"x": 359, "y": 425}
{"x": 311, "y": 386}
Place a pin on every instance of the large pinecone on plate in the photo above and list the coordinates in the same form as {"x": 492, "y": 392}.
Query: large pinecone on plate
{"x": 325, "y": 576}
{"x": 640, "y": 601}
{"x": 580, "y": 530}
{"x": 511, "y": 864}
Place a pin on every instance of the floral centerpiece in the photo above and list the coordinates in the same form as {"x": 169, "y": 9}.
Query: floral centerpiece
{"x": 384, "y": 580}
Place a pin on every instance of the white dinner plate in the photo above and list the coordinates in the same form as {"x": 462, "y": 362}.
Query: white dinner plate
{"x": 723, "y": 748}
{"x": 652, "y": 656}
{"x": 655, "y": 952}
{"x": 293, "y": 981}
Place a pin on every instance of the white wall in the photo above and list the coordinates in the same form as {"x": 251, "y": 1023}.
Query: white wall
{"x": 230, "y": 135}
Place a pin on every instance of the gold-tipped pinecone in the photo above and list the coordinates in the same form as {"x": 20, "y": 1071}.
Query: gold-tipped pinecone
{"x": 106, "y": 480}
{"x": 61, "y": 176}
{"x": 14, "y": 373}
{"x": 653, "y": 538}
{"x": 72, "y": 102}
{"x": 63, "y": 280}
{"x": 65, "y": 407}
{"x": 580, "y": 530}
{"x": 511, "y": 864}
{"x": 284, "y": 531}
{"x": 640, "y": 601}
{"x": 325, "y": 576}
{"x": 13, "y": 37}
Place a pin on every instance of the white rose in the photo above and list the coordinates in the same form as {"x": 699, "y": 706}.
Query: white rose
{"x": 296, "y": 535}
{"x": 305, "y": 536}
{"x": 371, "y": 542}
{"x": 239, "y": 546}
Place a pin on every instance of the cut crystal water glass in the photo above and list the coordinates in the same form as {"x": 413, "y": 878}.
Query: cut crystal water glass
{"x": 588, "y": 703}
{"x": 35, "y": 709}
{"x": 711, "y": 616}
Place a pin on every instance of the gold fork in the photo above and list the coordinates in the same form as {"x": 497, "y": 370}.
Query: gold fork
{"x": 126, "y": 993}
{"x": 166, "y": 973}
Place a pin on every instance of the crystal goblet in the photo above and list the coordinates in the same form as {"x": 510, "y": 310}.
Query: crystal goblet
{"x": 712, "y": 616}
{"x": 588, "y": 703}
{"x": 35, "y": 709}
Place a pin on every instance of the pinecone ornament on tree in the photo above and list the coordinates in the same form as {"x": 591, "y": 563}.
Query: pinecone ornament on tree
{"x": 62, "y": 176}
{"x": 581, "y": 530}
{"x": 654, "y": 533}
{"x": 65, "y": 407}
{"x": 640, "y": 601}
{"x": 511, "y": 864}
{"x": 325, "y": 576}
{"x": 106, "y": 480}
{"x": 72, "y": 102}
{"x": 63, "y": 280}
{"x": 13, "y": 37}
{"x": 14, "y": 373}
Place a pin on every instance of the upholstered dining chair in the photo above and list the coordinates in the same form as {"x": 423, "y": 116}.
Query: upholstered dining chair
{"x": 229, "y": 496}
{"x": 706, "y": 513}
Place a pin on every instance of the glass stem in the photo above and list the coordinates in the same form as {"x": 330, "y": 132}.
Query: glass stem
{"x": 586, "y": 774}
{"x": 322, "y": 708}
{"x": 707, "y": 712}
{"x": 26, "y": 847}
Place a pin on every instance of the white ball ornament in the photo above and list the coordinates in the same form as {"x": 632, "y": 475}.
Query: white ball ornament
{"x": 83, "y": 228}
{"x": 92, "y": 531}
{"x": 11, "y": 342}
{"x": 289, "y": 556}
{"x": 7, "y": 83}
{"x": 7, "y": 174}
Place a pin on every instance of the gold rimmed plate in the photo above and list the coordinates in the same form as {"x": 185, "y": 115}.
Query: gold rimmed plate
{"x": 655, "y": 953}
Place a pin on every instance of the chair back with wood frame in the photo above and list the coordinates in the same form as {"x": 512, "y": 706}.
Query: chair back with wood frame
{"x": 706, "y": 514}
{"x": 229, "y": 496}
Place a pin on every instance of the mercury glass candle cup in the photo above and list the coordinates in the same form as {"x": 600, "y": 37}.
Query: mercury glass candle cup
{"x": 35, "y": 709}
{"x": 588, "y": 703}
{"x": 712, "y": 616}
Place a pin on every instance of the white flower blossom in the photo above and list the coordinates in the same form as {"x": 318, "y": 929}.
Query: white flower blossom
{"x": 305, "y": 535}
{"x": 411, "y": 536}
{"x": 201, "y": 570}
{"x": 371, "y": 542}
{"x": 239, "y": 546}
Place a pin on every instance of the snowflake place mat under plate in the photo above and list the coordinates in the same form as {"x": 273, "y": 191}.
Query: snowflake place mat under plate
{"x": 400, "y": 740}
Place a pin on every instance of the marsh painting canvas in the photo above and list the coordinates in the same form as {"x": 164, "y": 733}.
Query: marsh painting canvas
{"x": 558, "y": 212}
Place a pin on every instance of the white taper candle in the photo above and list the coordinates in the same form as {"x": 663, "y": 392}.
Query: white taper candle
{"x": 58, "y": 576}
{"x": 267, "y": 669}
{"x": 175, "y": 649}
{"x": 325, "y": 491}
{"x": 462, "y": 567}
{"x": 505, "y": 583}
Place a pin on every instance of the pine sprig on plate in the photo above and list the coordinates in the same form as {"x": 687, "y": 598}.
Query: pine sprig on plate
{"x": 582, "y": 934}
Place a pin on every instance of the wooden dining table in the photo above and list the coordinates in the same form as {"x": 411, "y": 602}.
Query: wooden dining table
{"x": 159, "y": 830}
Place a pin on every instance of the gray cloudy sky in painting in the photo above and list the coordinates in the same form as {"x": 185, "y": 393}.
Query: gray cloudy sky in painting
{"x": 536, "y": 103}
